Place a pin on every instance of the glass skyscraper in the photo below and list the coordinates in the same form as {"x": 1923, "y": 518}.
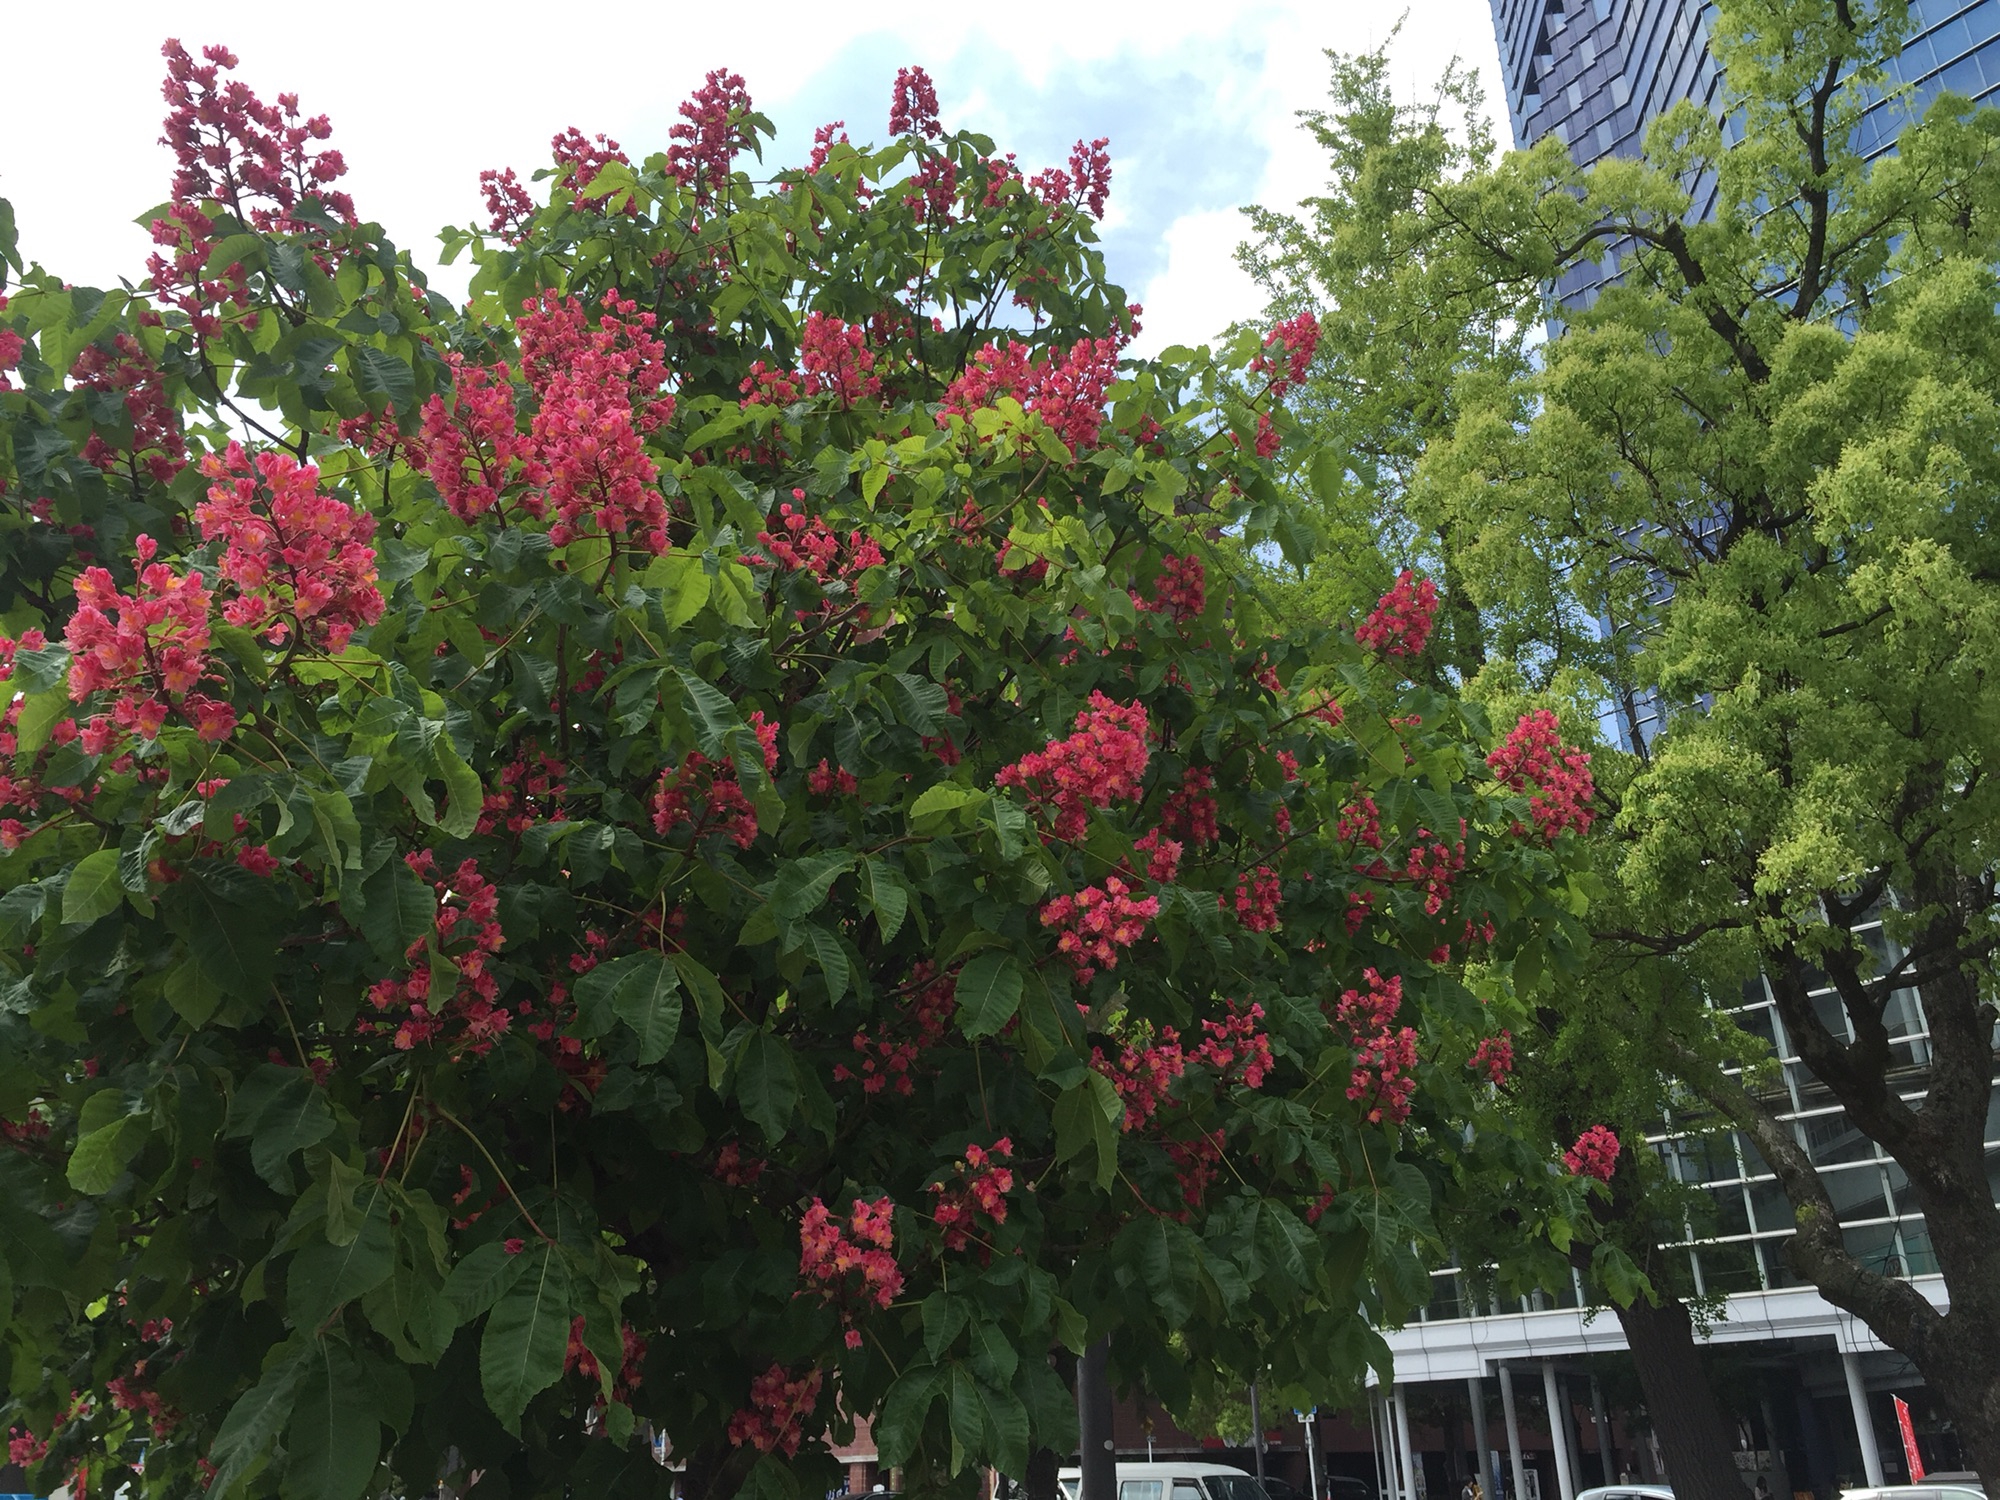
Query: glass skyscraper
{"x": 1595, "y": 73}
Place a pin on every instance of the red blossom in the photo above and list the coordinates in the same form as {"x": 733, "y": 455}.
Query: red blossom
{"x": 467, "y": 933}
{"x": 1288, "y": 352}
{"x": 298, "y": 561}
{"x": 1384, "y": 1053}
{"x": 1096, "y": 922}
{"x": 977, "y": 1189}
{"x": 711, "y": 132}
{"x": 913, "y": 105}
{"x": 1103, "y": 762}
{"x": 1401, "y": 621}
{"x": 1534, "y": 756}
{"x": 1595, "y": 1153}
{"x": 1257, "y": 899}
{"x": 1493, "y": 1058}
{"x": 780, "y": 1402}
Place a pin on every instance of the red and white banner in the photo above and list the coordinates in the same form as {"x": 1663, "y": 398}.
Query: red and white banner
{"x": 1904, "y": 1426}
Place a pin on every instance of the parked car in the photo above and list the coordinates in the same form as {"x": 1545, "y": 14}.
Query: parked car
{"x": 1935, "y": 1487}
{"x": 1171, "y": 1481}
{"x": 1629, "y": 1492}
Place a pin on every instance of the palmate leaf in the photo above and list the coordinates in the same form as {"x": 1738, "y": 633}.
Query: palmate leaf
{"x": 333, "y": 1441}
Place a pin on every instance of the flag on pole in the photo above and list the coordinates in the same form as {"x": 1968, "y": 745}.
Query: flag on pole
{"x": 1909, "y": 1432}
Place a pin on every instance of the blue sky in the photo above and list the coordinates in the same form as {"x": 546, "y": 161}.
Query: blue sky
{"x": 1198, "y": 103}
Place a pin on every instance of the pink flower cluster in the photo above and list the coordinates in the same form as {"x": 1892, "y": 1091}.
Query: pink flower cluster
{"x": 837, "y": 360}
{"x": 579, "y": 1360}
{"x": 1360, "y": 823}
{"x": 126, "y": 368}
{"x": 1493, "y": 1058}
{"x": 148, "y": 648}
{"x": 11, "y": 347}
{"x": 531, "y": 791}
{"x": 24, "y": 1449}
{"x": 1401, "y": 621}
{"x": 1595, "y": 1153}
{"x": 827, "y": 780}
{"x": 706, "y": 793}
{"x": 298, "y": 559}
{"x": 886, "y": 1060}
{"x": 1066, "y": 390}
{"x": 1181, "y": 589}
{"x": 600, "y": 395}
{"x": 1384, "y": 1053}
{"x": 579, "y": 158}
{"x": 508, "y": 206}
{"x": 1197, "y": 1161}
{"x": 1102, "y": 762}
{"x": 1143, "y": 1076}
{"x": 1189, "y": 811}
{"x": 128, "y": 1395}
{"x": 711, "y": 132}
{"x": 1086, "y": 183}
{"x": 857, "y": 1270}
{"x": 913, "y": 105}
{"x": 979, "y": 1186}
{"x": 780, "y": 1402}
{"x": 807, "y": 544}
{"x": 1288, "y": 352}
{"x": 258, "y": 161}
{"x": 1163, "y": 855}
{"x": 1257, "y": 899}
{"x": 473, "y": 450}
{"x": 467, "y": 934}
{"x": 1235, "y": 1039}
{"x": 1534, "y": 755}
{"x": 1433, "y": 865}
{"x": 1096, "y": 922}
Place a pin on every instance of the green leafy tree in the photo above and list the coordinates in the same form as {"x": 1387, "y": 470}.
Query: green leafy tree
{"x": 1416, "y": 334}
{"x": 711, "y": 845}
{"x": 1761, "y": 462}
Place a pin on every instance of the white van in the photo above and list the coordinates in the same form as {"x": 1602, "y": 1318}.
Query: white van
{"x": 1171, "y": 1481}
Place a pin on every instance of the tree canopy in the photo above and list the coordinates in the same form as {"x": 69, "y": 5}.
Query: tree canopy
{"x": 711, "y": 845}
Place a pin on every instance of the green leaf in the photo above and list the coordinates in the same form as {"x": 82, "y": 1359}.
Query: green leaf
{"x": 886, "y": 895}
{"x": 944, "y": 1315}
{"x": 767, "y": 1084}
{"x": 400, "y": 909}
{"x": 647, "y": 998}
{"x": 802, "y": 884}
{"x": 526, "y": 1335}
{"x": 250, "y": 1432}
{"x": 989, "y": 992}
{"x": 481, "y": 1278}
{"x": 101, "y": 1156}
{"x": 92, "y": 889}
{"x": 324, "y": 1275}
{"x": 379, "y": 373}
{"x": 920, "y": 703}
{"x": 945, "y": 797}
{"x": 467, "y": 796}
{"x": 191, "y": 994}
{"x": 281, "y": 1110}
{"x": 831, "y": 958}
{"x": 904, "y": 1411}
{"x": 714, "y": 716}
{"x": 1088, "y": 1114}
{"x": 39, "y": 713}
{"x": 334, "y": 1439}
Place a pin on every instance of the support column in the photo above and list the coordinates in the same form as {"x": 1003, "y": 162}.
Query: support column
{"x": 1607, "y": 1449}
{"x": 1864, "y": 1425}
{"x": 1403, "y": 1446}
{"x": 1519, "y": 1470}
{"x": 1097, "y": 1458}
{"x": 1379, "y": 1448}
{"x": 1475, "y": 1391}
{"x": 1558, "y": 1438}
{"x": 1256, "y": 1433}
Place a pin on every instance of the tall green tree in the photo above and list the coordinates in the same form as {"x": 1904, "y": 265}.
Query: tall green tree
{"x": 1414, "y": 335}
{"x": 1763, "y": 460}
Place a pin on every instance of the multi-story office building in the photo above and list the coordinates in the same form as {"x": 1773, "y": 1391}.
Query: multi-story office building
{"x": 1596, "y": 73}
{"x": 1810, "y": 1386}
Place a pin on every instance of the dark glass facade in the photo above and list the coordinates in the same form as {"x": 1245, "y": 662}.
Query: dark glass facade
{"x": 1595, "y": 73}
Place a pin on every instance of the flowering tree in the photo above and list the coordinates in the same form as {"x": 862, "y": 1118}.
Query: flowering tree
{"x": 709, "y": 843}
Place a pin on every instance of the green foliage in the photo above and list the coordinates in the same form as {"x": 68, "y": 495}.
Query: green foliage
{"x": 451, "y": 1089}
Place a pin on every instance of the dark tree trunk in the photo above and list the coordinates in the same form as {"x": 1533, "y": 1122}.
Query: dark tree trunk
{"x": 1039, "y": 1483}
{"x": 1694, "y": 1439}
{"x": 1098, "y": 1456}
